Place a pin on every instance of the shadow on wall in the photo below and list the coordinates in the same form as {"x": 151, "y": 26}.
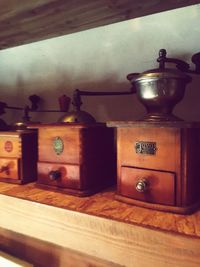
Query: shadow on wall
{"x": 103, "y": 108}
{"x": 189, "y": 108}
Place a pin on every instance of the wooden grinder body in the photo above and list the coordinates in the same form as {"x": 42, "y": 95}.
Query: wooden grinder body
{"x": 159, "y": 165}
{"x": 18, "y": 156}
{"x": 76, "y": 159}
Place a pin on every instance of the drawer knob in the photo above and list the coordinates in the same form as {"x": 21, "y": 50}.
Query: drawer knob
{"x": 54, "y": 175}
{"x": 141, "y": 185}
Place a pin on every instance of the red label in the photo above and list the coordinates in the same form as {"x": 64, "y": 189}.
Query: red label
{"x": 8, "y": 146}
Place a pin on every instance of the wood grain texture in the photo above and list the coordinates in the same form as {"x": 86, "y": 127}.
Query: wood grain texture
{"x": 43, "y": 254}
{"x": 105, "y": 205}
{"x": 167, "y": 153}
{"x": 15, "y": 139}
{"x": 30, "y": 21}
{"x": 84, "y": 161}
{"x": 162, "y": 185}
{"x": 71, "y": 136}
{"x": 17, "y": 164}
{"x": 7, "y": 259}
{"x": 121, "y": 243}
{"x": 175, "y": 151}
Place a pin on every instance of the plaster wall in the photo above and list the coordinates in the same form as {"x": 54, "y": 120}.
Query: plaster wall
{"x": 99, "y": 60}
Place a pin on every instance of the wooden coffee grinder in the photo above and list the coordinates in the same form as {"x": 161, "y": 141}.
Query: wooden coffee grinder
{"x": 18, "y": 151}
{"x": 19, "y": 144}
{"x": 18, "y": 156}
{"x": 76, "y": 155}
{"x": 158, "y": 157}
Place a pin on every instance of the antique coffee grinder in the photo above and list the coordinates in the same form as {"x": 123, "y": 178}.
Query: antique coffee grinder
{"x": 76, "y": 158}
{"x": 77, "y": 155}
{"x": 18, "y": 156}
{"x": 157, "y": 158}
{"x": 19, "y": 145}
{"x": 18, "y": 152}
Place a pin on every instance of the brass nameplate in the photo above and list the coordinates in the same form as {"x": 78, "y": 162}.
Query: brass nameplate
{"x": 143, "y": 147}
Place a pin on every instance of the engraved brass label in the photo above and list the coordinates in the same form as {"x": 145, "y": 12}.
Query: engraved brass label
{"x": 143, "y": 147}
{"x": 58, "y": 145}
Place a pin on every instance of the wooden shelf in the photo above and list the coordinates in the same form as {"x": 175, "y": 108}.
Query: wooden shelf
{"x": 32, "y": 21}
{"x": 105, "y": 205}
{"x": 101, "y": 226}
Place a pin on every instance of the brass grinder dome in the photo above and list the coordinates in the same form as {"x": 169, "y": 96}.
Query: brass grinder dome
{"x": 77, "y": 115}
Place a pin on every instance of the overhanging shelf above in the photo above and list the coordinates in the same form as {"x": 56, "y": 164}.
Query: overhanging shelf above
{"x": 23, "y": 22}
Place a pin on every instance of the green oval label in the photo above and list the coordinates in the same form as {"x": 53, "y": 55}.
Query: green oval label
{"x": 58, "y": 145}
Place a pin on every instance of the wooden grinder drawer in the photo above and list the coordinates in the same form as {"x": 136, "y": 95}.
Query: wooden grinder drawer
{"x": 59, "y": 175}
{"x": 147, "y": 185}
{"x": 9, "y": 168}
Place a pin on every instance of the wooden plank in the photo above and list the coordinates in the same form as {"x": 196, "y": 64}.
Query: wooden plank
{"x": 109, "y": 240}
{"x": 42, "y": 254}
{"x": 105, "y": 205}
{"x": 30, "y": 21}
{"x": 8, "y": 260}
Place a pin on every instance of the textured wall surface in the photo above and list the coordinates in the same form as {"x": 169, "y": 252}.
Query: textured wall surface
{"x": 99, "y": 60}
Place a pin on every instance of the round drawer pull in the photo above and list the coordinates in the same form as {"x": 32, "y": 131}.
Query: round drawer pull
{"x": 141, "y": 185}
{"x": 54, "y": 175}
